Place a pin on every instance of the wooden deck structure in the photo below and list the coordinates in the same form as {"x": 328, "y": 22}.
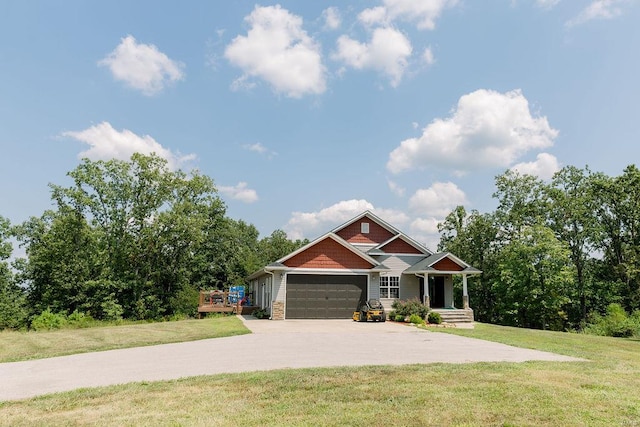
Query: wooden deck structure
{"x": 221, "y": 302}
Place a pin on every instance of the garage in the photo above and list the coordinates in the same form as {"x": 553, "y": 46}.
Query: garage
{"x": 315, "y": 296}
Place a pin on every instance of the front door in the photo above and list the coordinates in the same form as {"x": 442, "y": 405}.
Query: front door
{"x": 436, "y": 291}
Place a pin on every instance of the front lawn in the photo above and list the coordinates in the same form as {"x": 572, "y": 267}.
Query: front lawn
{"x": 15, "y": 346}
{"x": 601, "y": 392}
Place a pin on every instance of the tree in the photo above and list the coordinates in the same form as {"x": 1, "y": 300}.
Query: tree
{"x": 571, "y": 217}
{"x": 618, "y": 214}
{"x": 534, "y": 278}
{"x": 12, "y": 303}
{"x": 126, "y": 234}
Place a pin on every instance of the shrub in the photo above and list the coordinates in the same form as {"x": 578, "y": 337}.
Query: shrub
{"x": 409, "y": 307}
{"x": 261, "y": 313}
{"x": 399, "y": 318}
{"x": 80, "y": 319}
{"x": 111, "y": 310}
{"x": 616, "y": 323}
{"x": 434, "y": 318}
{"x": 47, "y": 320}
{"x": 416, "y": 320}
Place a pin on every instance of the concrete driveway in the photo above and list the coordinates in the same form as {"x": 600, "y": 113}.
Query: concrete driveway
{"x": 272, "y": 345}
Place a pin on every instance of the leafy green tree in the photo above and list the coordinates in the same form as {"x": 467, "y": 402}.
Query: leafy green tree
{"x": 12, "y": 298}
{"x": 571, "y": 217}
{"x": 521, "y": 203}
{"x": 124, "y": 241}
{"x": 534, "y": 277}
{"x": 617, "y": 202}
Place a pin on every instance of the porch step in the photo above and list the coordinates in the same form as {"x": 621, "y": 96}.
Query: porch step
{"x": 455, "y": 315}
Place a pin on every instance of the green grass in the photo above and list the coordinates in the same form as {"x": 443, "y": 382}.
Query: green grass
{"x": 601, "y": 392}
{"x": 15, "y": 346}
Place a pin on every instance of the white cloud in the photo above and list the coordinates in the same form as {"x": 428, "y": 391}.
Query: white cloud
{"x": 373, "y": 16}
{"x": 425, "y": 226}
{"x": 427, "y": 56}
{"x": 424, "y": 12}
{"x": 547, "y": 4}
{"x": 257, "y": 147}
{"x": 332, "y": 19}
{"x": 598, "y": 9}
{"x": 107, "y": 143}
{"x": 260, "y": 149}
{"x": 240, "y": 192}
{"x": 425, "y": 231}
{"x": 277, "y": 50}
{"x": 486, "y": 129}
{"x": 142, "y": 66}
{"x": 395, "y": 188}
{"x": 387, "y": 52}
{"x": 437, "y": 200}
{"x": 543, "y": 167}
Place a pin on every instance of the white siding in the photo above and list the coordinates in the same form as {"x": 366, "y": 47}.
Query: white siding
{"x": 409, "y": 284}
{"x": 374, "y": 286}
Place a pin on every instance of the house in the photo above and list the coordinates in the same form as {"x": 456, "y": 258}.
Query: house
{"x": 364, "y": 258}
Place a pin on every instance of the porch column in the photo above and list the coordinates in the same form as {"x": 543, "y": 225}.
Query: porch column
{"x": 465, "y": 294}
{"x": 425, "y": 297}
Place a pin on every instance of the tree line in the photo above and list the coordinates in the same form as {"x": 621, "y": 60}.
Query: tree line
{"x": 128, "y": 239}
{"x": 553, "y": 254}
{"x": 135, "y": 240}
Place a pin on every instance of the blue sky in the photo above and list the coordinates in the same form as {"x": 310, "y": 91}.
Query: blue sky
{"x": 306, "y": 113}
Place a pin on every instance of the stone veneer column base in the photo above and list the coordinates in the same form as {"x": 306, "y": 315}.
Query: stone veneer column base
{"x": 278, "y": 311}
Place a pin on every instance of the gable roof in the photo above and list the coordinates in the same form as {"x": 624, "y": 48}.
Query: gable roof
{"x": 393, "y": 234}
{"x": 421, "y": 249}
{"x": 371, "y": 216}
{"x": 337, "y": 239}
{"x": 430, "y": 265}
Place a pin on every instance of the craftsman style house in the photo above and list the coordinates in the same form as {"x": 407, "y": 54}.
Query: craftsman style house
{"x": 365, "y": 258}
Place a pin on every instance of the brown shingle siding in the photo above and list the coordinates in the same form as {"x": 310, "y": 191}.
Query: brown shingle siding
{"x": 445, "y": 264}
{"x": 399, "y": 246}
{"x": 327, "y": 254}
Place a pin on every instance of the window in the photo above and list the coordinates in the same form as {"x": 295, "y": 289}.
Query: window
{"x": 389, "y": 287}
{"x": 364, "y": 228}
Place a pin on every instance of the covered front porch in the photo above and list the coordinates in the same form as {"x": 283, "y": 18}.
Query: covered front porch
{"x": 436, "y": 274}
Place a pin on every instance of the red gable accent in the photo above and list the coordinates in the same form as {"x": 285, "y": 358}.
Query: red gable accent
{"x": 399, "y": 246}
{"x": 327, "y": 254}
{"x": 445, "y": 264}
{"x": 377, "y": 234}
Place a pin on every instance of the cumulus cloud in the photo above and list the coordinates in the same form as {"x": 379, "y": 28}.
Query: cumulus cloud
{"x": 437, "y": 200}
{"x": 142, "y": 66}
{"x": 277, "y": 50}
{"x": 107, "y": 143}
{"x": 543, "y": 167}
{"x": 423, "y": 12}
{"x": 332, "y": 19}
{"x": 387, "y": 52}
{"x": 487, "y": 129}
{"x": 425, "y": 230}
{"x": 240, "y": 192}
{"x": 598, "y": 9}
